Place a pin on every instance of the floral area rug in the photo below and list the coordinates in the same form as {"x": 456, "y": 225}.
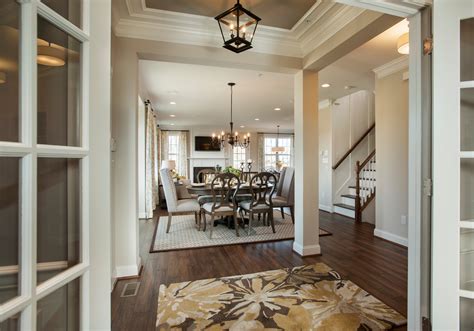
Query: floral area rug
{"x": 312, "y": 297}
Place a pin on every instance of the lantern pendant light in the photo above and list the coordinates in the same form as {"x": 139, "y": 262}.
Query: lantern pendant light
{"x": 278, "y": 149}
{"x": 238, "y": 26}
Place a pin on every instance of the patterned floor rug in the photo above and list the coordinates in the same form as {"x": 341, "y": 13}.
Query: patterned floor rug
{"x": 184, "y": 235}
{"x": 312, "y": 297}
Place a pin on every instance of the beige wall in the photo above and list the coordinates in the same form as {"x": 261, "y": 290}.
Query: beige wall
{"x": 391, "y": 114}
{"x": 325, "y": 158}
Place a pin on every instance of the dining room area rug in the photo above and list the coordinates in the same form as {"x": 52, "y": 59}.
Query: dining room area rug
{"x": 184, "y": 234}
{"x": 311, "y": 297}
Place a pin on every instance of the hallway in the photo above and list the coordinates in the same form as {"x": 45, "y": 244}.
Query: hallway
{"x": 377, "y": 266}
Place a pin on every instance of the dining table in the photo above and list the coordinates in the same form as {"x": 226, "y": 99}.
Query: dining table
{"x": 206, "y": 189}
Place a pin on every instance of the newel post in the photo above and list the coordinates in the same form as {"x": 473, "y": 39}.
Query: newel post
{"x": 358, "y": 212}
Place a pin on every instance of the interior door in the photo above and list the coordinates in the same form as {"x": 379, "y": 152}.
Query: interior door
{"x": 452, "y": 272}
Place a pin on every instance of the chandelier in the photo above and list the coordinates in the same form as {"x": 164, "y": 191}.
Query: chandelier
{"x": 238, "y": 26}
{"x": 232, "y": 138}
{"x": 278, "y": 149}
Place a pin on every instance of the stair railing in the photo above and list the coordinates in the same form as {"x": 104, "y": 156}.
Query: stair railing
{"x": 365, "y": 184}
{"x": 366, "y": 133}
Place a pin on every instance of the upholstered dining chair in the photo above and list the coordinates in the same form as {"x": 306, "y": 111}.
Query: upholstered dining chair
{"x": 175, "y": 206}
{"x": 224, "y": 188}
{"x": 286, "y": 193}
{"x": 262, "y": 189}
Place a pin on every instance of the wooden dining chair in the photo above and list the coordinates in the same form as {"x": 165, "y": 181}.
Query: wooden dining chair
{"x": 224, "y": 188}
{"x": 262, "y": 188}
{"x": 206, "y": 176}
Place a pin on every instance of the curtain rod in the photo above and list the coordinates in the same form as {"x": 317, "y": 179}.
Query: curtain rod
{"x": 175, "y": 130}
{"x": 285, "y": 134}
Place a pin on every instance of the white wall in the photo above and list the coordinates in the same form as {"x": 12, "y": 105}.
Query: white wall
{"x": 325, "y": 157}
{"x": 352, "y": 115}
{"x": 391, "y": 107}
{"x": 124, "y": 159}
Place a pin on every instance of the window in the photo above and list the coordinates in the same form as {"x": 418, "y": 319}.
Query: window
{"x": 239, "y": 156}
{"x": 271, "y": 158}
{"x": 173, "y": 147}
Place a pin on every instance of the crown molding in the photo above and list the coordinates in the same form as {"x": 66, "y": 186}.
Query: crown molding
{"x": 404, "y": 8}
{"x": 320, "y": 23}
{"x": 391, "y": 67}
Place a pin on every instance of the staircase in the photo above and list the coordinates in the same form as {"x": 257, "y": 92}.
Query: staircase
{"x": 360, "y": 195}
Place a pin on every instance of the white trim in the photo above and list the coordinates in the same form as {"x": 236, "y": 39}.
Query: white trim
{"x": 324, "y": 103}
{"x": 143, "y": 216}
{"x": 62, "y": 23}
{"x": 466, "y": 294}
{"x": 406, "y": 8}
{"x": 414, "y": 311}
{"x": 60, "y": 280}
{"x": 391, "y": 237}
{"x": 466, "y": 155}
{"x": 42, "y": 266}
{"x": 160, "y": 25}
{"x": 391, "y": 67}
{"x": 467, "y": 84}
{"x": 469, "y": 224}
{"x": 306, "y": 250}
{"x": 326, "y": 208}
{"x": 128, "y": 270}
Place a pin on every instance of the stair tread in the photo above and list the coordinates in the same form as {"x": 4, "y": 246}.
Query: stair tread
{"x": 350, "y": 196}
{"x": 343, "y": 205}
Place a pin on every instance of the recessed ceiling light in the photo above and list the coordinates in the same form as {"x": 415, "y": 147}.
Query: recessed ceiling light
{"x": 349, "y": 87}
{"x": 325, "y": 85}
{"x": 172, "y": 124}
{"x": 172, "y": 115}
{"x": 257, "y": 119}
{"x": 277, "y": 109}
{"x": 242, "y": 126}
{"x": 172, "y": 103}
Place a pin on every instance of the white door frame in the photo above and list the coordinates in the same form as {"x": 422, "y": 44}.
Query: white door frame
{"x": 410, "y": 9}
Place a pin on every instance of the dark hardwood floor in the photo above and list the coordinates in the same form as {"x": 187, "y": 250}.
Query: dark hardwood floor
{"x": 377, "y": 266}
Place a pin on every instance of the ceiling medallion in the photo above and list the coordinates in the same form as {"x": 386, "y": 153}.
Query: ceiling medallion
{"x": 238, "y": 26}
{"x": 231, "y": 138}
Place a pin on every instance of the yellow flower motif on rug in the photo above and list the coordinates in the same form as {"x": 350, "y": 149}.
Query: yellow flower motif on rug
{"x": 312, "y": 297}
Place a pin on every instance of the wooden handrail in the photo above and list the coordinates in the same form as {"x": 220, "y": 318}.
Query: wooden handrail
{"x": 338, "y": 163}
{"x": 362, "y": 165}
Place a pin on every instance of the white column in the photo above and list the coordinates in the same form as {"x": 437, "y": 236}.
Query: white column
{"x": 124, "y": 160}
{"x": 306, "y": 164}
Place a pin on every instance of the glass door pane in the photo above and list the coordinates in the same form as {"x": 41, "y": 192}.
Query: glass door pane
{"x": 59, "y": 80}
{"x": 58, "y": 216}
{"x": 9, "y": 70}
{"x": 9, "y": 228}
{"x": 60, "y": 309}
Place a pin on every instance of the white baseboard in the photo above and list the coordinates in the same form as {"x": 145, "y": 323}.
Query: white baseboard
{"x": 142, "y": 216}
{"x": 391, "y": 237}
{"x": 326, "y": 208}
{"x": 306, "y": 250}
{"x": 128, "y": 270}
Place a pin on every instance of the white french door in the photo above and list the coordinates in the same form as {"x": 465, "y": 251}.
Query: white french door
{"x": 453, "y": 166}
{"x": 44, "y": 160}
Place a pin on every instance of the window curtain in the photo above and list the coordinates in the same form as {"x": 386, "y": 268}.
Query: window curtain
{"x": 151, "y": 155}
{"x": 182, "y": 163}
{"x": 260, "y": 151}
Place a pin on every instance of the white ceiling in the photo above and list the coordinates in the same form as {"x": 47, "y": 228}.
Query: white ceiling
{"x": 203, "y": 98}
{"x": 355, "y": 69}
